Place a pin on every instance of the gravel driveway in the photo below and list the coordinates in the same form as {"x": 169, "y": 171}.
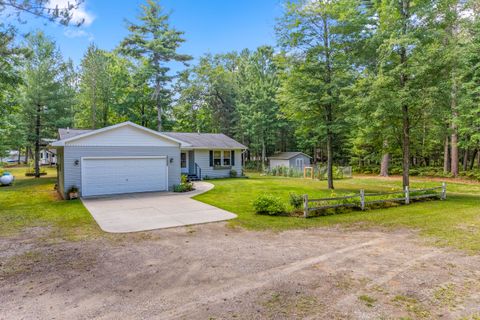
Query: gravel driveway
{"x": 215, "y": 272}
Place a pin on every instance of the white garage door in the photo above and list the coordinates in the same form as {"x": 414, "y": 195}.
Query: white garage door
{"x": 101, "y": 176}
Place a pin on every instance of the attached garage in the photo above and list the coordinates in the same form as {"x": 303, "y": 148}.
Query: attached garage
{"x": 123, "y": 158}
{"x": 113, "y": 175}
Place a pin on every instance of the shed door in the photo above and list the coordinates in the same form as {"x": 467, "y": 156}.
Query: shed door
{"x": 103, "y": 176}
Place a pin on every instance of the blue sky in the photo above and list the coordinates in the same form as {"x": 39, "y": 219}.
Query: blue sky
{"x": 213, "y": 26}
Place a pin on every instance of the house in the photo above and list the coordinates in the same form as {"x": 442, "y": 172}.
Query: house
{"x": 297, "y": 160}
{"x": 126, "y": 158}
{"x": 48, "y": 156}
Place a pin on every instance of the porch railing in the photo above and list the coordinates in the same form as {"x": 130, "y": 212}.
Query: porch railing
{"x": 198, "y": 171}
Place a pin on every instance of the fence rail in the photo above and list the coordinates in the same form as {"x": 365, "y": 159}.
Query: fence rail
{"x": 363, "y": 199}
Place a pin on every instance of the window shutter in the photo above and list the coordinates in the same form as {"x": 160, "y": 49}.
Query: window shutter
{"x": 233, "y": 157}
{"x": 211, "y": 158}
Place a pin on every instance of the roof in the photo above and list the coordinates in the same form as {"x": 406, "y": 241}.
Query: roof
{"x": 74, "y": 134}
{"x": 207, "y": 140}
{"x": 70, "y": 133}
{"x": 188, "y": 140}
{"x": 287, "y": 155}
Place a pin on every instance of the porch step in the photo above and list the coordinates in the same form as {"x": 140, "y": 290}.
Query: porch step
{"x": 193, "y": 177}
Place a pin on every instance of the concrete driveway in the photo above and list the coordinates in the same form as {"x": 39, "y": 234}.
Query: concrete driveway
{"x": 154, "y": 210}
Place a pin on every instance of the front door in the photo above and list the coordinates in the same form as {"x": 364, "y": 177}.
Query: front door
{"x": 184, "y": 162}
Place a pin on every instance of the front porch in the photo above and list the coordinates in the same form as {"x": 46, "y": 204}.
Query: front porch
{"x": 188, "y": 165}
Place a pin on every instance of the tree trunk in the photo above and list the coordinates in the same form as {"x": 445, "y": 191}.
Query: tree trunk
{"x": 328, "y": 107}
{"x": 446, "y": 156}
{"x": 263, "y": 155}
{"x": 465, "y": 160}
{"x": 384, "y": 165}
{"x": 405, "y": 112}
{"x": 329, "y": 160}
{"x": 406, "y": 147}
{"x": 19, "y": 155}
{"x": 142, "y": 110}
{"x": 454, "y": 128}
{"x": 94, "y": 105}
{"x": 27, "y": 153}
{"x": 472, "y": 160}
{"x": 37, "y": 142}
{"x": 454, "y": 152}
{"x": 159, "y": 116}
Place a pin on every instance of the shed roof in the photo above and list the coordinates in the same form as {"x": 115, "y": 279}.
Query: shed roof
{"x": 206, "y": 140}
{"x": 287, "y": 155}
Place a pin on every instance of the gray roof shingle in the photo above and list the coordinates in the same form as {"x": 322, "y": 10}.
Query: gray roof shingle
{"x": 287, "y": 155}
{"x": 70, "y": 133}
{"x": 206, "y": 140}
{"x": 196, "y": 140}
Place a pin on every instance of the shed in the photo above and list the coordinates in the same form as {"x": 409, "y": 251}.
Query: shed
{"x": 297, "y": 160}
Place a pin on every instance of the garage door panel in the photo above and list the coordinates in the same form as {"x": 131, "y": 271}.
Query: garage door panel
{"x": 123, "y": 175}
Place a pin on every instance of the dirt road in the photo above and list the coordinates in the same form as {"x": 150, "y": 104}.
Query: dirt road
{"x": 215, "y": 272}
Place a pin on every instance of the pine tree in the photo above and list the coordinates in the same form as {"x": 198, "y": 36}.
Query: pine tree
{"x": 157, "y": 42}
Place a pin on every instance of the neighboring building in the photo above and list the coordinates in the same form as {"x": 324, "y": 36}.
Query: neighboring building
{"x": 48, "y": 156}
{"x": 12, "y": 157}
{"x": 297, "y": 160}
{"x": 126, "y": 158}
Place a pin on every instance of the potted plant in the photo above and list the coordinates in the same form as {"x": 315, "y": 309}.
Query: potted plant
{"x": 73, "y": 193}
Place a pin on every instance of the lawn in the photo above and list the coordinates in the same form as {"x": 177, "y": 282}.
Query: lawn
{"x": 32, "y": 202}
{"x": 454, "y": 222}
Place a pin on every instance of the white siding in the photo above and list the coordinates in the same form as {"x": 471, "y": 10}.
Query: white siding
{"x": 124, "y": 136}
{"x": 72, "y": 172}
{"x": 279, "y": 163}
{"x": 60, "y": 172}
{"x": 202, "y": 158}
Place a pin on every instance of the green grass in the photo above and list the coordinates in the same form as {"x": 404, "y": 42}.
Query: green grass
{"x": 33, "y": 202}
{"x": 369, "y": 301}
{"x": 454, "y": 222}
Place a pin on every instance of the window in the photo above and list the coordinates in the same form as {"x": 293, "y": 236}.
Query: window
{"x": 217, "y": 158}
{"x": 183, "y": 160}
{"x": 226, "y": 157}
{"x": 41, "y": 155}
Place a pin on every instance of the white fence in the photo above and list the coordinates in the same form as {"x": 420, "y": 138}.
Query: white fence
{"x": 363, "y": 199}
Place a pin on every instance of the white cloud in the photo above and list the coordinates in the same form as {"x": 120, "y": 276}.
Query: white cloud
{"x": 78, "y": 33}
{"x": 79, "y": 14}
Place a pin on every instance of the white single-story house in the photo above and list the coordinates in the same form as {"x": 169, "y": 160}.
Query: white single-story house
{"x": 298, "y": 160}
{"x": 127, "y": 157}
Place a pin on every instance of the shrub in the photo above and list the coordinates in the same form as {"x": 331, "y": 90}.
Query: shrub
{"x": 268, "y": 204}
{"x": 296, "y": 200}
{"x": 31, "y": 171}
{"x": 233, "y": 173}
{"x": 184, "y": 186}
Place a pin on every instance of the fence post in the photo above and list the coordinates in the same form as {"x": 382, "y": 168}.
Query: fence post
{"x": 305, "y": 205}
{"x": 362, "y": 199}
{"x": 444, "y": 191}
{"x": 407, "y": 195}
